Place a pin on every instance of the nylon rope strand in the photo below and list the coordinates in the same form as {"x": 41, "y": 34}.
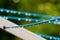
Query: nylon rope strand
{"x": 45, "y": 36}
{"x": 38, "y": 15}
{"x": 25, "y": 13}
{"x": 19, "y": 19}
{"x": 48, "y": 37}
{"x": 26, "y": 19}
{"x": 42, "y": 22}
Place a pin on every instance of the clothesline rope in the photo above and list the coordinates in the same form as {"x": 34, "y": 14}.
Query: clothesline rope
{"x": 19, "y": 19}
{"x": 35, "y": 20}
{"x": 26, "y": 19}
{"x": 49, "y": 37}
{"x": 42, "y": 22}
{"x": 25, "y": 13}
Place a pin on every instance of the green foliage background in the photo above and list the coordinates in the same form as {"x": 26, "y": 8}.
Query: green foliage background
{"x": 48, "y": 7}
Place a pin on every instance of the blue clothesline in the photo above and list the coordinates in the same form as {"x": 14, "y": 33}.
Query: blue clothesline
{"x": 25, "y": 13}
{"x": 19, "y": 19}
{"x": 48, "y": 37}
{"x": 30, "y": 19}
{"x": 27, "y": 19}
{"x": 37, "y": 23}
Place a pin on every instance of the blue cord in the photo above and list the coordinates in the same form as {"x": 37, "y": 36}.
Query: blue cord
{"x": 49, "y": 37}
{"x": 30, "y": 14}
{"x": 47, "y": 21}
{"x": 25, "y": 13}
{"x": 19, "y": 19}
{"x": 27, "y": 19}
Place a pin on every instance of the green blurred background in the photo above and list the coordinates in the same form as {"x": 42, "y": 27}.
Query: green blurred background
{"x": 47, "y": 7}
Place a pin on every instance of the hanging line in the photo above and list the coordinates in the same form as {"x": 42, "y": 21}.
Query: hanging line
{"x": 19, "y": 19}
{"x": 25, "y": 13}
{"x": 48, "y": 37}
{"x": 37, "y": 15}
{"x": 42, "y": 22}
{"x": 27, "y": 19}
